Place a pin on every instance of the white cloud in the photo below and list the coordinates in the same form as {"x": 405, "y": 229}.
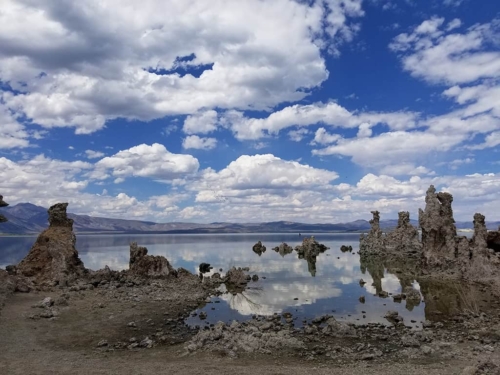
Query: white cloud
{"x": 153, "y": 161}
{"x": 83, "y": 63}
{"x": 453, "y": 24}
{"x": 259, "y": 176}
{"x": 405, "y": 169}
{"x": 322, "y": 137}
{"x": 331, "y": 113}
{"x": 454, "y": 58}
{"x": 298, "y": 135}
{"x": 13, "y": 134}
{"x": 491, "y": 140}
{"x": 201, "y": 123}
{"x": 193, "y": 141}
{"x": 91, "y": 154}
{"x": 392, "y": 147}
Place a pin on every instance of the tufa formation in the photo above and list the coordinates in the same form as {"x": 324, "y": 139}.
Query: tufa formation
{"x": 53, "y": 259}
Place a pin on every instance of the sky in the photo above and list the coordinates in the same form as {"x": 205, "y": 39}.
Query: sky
{"x": 314, "y": 111}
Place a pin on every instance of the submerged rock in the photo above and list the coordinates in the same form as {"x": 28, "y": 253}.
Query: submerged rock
{"x": 259, "y": 248}
{"x": 345, "y": 248}
{"x": 283, "y": 249}
{"x": 141, "y": 264}
{"x": 53, "y": 259}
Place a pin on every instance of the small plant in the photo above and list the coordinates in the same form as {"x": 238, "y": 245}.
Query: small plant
{"x": 467, "y": 299}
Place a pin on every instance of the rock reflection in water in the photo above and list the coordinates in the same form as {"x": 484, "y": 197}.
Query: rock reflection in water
{"x": 406, "y": 272}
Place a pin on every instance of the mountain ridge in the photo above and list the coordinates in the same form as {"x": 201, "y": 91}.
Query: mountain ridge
{"x": 27, "y": 218}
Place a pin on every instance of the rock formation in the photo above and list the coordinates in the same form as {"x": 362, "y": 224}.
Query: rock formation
{"x": 235, "y": 280}
{"x": 438, "y": 227}
{"x": 283, "y": 249}
{"x": 144, "y": 265}
{"x": 259, "y": 248}
{"x": 309, "y": 250}
{"x": 373, "y": 242}
{"x": 402, "y": 241}
{"x": 310, "y": 247}
{"x": 53, "y": 259}
{"x": 3, "y": 219}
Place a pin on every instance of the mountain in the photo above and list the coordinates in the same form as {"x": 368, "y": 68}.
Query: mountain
{"x": 26, "y": 218}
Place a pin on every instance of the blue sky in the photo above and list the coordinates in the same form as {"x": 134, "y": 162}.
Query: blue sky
{"x": 249, "y": 111}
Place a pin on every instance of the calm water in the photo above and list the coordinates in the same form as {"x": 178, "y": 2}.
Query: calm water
{"x": 286, "y": 283}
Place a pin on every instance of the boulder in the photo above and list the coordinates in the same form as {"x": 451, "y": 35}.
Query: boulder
{"x": 345, "y": 248}
{"x": 144, "y": 265}
{"x": 235, "y": 280}
{"x": 53, "y": 259}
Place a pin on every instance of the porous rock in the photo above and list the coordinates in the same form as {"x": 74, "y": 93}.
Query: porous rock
{"x": 53, "y": 259}
{"x": 142, "y": 264}
{"x": 259, "y": 248}
{"x": 283, "y": 249}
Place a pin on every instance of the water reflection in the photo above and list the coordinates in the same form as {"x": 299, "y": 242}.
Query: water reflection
{"x": 306, "y": 285}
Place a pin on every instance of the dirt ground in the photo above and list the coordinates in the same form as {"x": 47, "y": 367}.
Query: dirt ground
{"x": 69, "y": 343}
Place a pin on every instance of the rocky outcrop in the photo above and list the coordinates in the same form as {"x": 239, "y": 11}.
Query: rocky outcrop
{"x": 283, "y": 249}
{"x": 309, "y": 250}
{"x": 3, "y": 219}
{"x": 438, "y": 228}
{"x": 144, "y": 265}
{"x": 310, "y": 247}
{"x": 259, "y": 248}
{"x": 53, "y": 259}
{"x": 373, "y": 242}
{"x": 235, "y": 280}
{"x": 403, "y": 241}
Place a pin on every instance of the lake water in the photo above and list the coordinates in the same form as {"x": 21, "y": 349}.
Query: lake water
{"x": 286, "y": 283}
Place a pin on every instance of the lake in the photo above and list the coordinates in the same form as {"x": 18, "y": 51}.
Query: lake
{"x": 307, "y": 289}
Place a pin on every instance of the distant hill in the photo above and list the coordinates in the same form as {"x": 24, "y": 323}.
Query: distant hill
{"x": 25, "y": 218}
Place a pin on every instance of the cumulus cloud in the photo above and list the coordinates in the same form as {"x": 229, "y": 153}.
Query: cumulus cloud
{"x": 80, "y": 64}
{"x": 200, "y": 143}
{"x": 322, "y": 137}
{"x": 431, "y": 54}
{"x": 201, "y": 123}
{"x": 153, "y": 161}
{"x": 259, "y": 176}
{"x": 245, "y": 128}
